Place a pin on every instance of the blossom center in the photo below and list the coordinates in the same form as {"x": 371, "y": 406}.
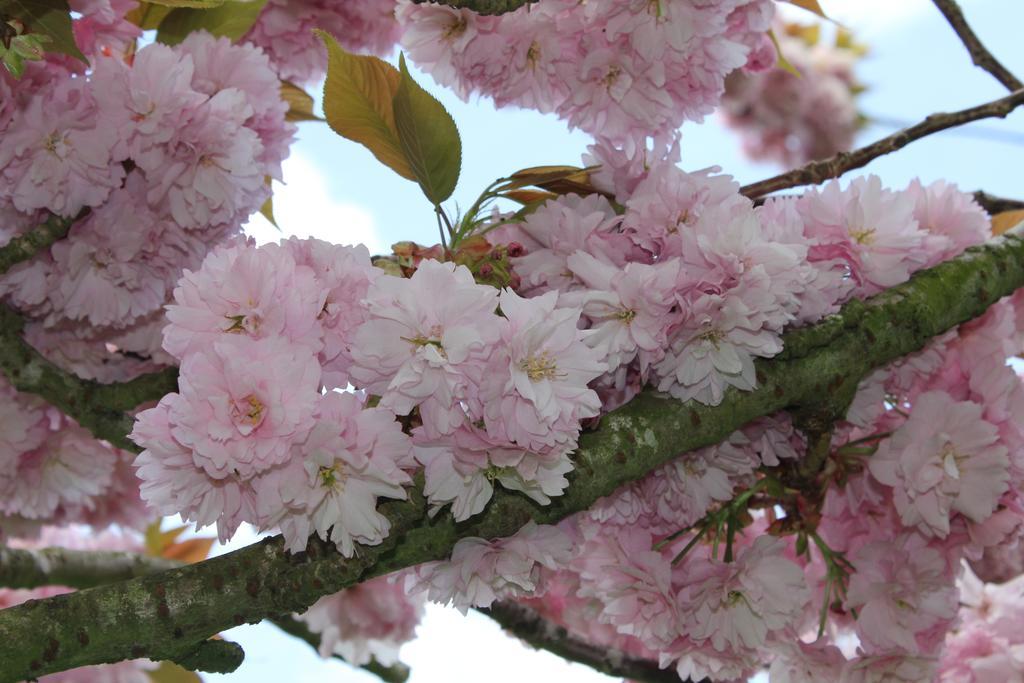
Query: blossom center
{"x": 611, "y": 77}
{"x": 734, "y": 597}
{"x": 533, "y": 55}
{"x": 950, "y": 457}
{"x": 53, "y": 142}
{"x": 248, "y": 412}
{"x": 539, "y": 366}
{"x": 864, "y": 236}
{"x": 626, "y": 316}
{"x": 431, "y": 338}
{"x": 713, "y": 336}
{"x": 333, "y": 477}
{"x": 455, "y": 29}
{"x": 240, "y": 324}
{"x": 142, "y": 116}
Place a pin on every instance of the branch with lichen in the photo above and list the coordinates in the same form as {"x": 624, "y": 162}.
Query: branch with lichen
{"x": 25, "y": 246}
{"x": 34, "y": 568}
{"x": 825, "y": 169}
{"x": 100, "y": 408}
{"x": 155, "y": 615}
{"x": 481, "y": 6}
{"x": 527, "y": 625}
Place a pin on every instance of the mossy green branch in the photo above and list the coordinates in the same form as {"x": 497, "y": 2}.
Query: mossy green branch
{"x": 25, "y": 246}
{"x": 33, "y": 568}
{"x": 100, "y": 408}
{"x": 145, "y": 616}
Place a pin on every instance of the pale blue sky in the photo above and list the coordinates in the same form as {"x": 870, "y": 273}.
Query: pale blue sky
{"x": 338, "y": 191}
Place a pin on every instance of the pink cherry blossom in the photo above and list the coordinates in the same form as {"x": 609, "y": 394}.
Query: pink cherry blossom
{"x": 419, "y": 349}
{"x": 243, "y": 403}
{"x": 371, "y": 620}
{"x": 763, "y": 592}
{"x": 872, "y": 229}
{"x": 344, "y": 274}
{"x": 55, "y": 154}
{"x": 461, "y": 468}
{"x": 904, "y": 595}
{"x": 961, "y": 468}
{"x": 536, "y": 388}
{"x": 173, "y": 484}
{"x": 352, "y": 457}
{"x": 250, "y": 293}
{"x": 480, "y": 572}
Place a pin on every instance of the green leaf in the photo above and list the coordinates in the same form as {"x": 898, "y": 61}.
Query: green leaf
{"x": 26, "y": 47}
{"x": 810, "y": 6}
{"x": 51, "y": 18}
{"x": 268, "y": 206}
{"x": 429, "y": 138}
{"x": 300, "y": 103}
{"x": 231, "y": 19}
{"x": 358, "y": 96}
{"x": 169, "y": 672}
{"x": 148, "y": 15}
{"x": 783, "y": 63}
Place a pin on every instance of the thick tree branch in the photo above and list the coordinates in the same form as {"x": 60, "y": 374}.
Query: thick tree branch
{"x": 481, "y": 6}
{"x": 979, "y": 53}
{"x": 396, "y": 673}
{"x": 74, "y": 568}
{"x": 525, "y": 624}
{"x": 148, "y": 615}
{"x": 24, "y": 568}
{"x": 825, "y": 169}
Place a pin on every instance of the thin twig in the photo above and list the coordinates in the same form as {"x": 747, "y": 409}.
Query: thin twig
{"x": 396, "y": 673}
{"x": 979, "y": 53}
{"x": 994, "y": 204}
{"x": 819, "y": 171}
{"x": 481, "y": 6}
{"x": 527, "y": 625}
{"x": 31, "y": 568}
{"x": 990, "y": 202}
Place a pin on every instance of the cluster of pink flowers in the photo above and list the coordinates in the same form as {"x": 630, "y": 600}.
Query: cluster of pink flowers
{"x": 680, "y": 289}
{"x": 313, "y": 385}
{"x": 262, "y": 333}
{"x": 620, "y": 70}
{"x": 167, "y": 151}
{"x": 793, "y": 119}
